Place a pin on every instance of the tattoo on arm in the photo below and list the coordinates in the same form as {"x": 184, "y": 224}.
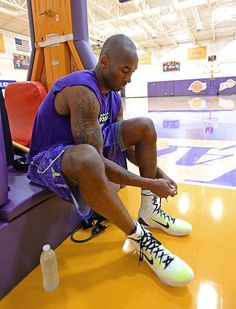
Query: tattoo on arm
{"x": 85, "y": 126}
{"x": 89, "y": 135}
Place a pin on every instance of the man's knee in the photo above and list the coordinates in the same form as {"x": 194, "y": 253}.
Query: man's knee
{"x": 138, "y": 129}
{"x": 82, "y": 159}
{"x": 147, "y": 122}
{"x": 148, "y": 127}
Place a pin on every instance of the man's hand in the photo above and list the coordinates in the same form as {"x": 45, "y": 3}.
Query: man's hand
{"x": 162, "y": 175}
{"x": 163, "y": 188}
{"x": 130, "y": 154}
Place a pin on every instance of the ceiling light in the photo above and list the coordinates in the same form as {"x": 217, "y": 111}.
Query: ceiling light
{"x": 154, "y": 34}
{"x": 225, "y": 13}
{"x": 151, "y": 12}
{"x": 11, "y": 12}
{"x": 185, "y": 4}
{"x": 170, "y": 17}
{"x": 131, "y": 16}
{"x": 182, "y": 37}
{"x": 197, "y": 19}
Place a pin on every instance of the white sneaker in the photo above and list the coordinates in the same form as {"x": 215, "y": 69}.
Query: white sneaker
{"x": 169, "y": 268}
{"x": 151, "y": 215}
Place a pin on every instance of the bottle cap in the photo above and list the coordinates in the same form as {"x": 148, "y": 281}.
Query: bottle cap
{"x": 46, "y": 247}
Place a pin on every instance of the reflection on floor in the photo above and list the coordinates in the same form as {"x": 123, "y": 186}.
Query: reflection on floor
{"x": 197, "y": 136}
{"x": 98, "y": 274}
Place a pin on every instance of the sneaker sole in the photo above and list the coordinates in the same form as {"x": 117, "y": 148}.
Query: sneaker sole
{"x": 167, "y": 282}
{"x": 177, "y": 284}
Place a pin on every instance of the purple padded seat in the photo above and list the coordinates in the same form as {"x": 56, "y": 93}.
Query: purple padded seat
{"x": 21, "y": 200}
{"x": 21, "y": 240}
{"x": 42, "y": 217}
{"x": 30, "y": 216}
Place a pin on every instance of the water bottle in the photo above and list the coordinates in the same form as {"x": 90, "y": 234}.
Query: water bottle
{"x": 48, "y": 262}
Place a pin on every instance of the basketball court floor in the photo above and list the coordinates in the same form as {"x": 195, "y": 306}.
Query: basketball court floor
{"x": 196, "y": 147}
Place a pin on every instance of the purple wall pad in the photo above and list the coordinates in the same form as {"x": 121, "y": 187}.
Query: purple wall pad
{"x": 3, "y": 169}
{"x": 86, "y": 54}
{"x": 79, "y": 20}
{"x": 80, "y": 33}
{"x": 180, "y": 87}
{"x": 32, "y": 37}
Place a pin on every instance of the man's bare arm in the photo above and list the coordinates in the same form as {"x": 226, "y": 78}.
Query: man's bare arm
{"x": 130, "y": 154}
{"x": 84, "y": 110}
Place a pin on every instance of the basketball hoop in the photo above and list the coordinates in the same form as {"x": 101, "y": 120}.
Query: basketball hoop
{"x": 212, "y": 75}
{"x": 211, "y": 68}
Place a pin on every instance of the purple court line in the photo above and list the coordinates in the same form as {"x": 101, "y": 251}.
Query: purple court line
{"x": 227, "y": 179}
{"x": 194, "y": 154}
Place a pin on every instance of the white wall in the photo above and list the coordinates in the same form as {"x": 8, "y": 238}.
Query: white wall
{"x": 7, "y": 71}
{"x": 225, "y": 50}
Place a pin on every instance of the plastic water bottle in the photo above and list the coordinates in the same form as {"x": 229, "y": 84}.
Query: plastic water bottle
{"x": 48, "y": 262}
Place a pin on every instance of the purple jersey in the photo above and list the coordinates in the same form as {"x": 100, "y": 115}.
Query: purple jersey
{"x": 51, "y": 129}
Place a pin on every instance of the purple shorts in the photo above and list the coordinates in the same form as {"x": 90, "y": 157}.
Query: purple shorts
{"x": 45, "y": 168}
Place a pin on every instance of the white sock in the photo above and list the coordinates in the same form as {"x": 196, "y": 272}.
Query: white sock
{"x": 138, "y": 232}
{"x": 146, "y": 192}
{"x": 128, "y": 246}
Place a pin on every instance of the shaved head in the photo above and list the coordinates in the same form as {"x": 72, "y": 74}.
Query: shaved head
{"x": 116, "y": 46}
{"x": 117, "y": 62}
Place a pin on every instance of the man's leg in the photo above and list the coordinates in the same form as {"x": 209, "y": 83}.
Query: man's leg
{"x": 140, "y": 132}
{"x": 82, "y": 164}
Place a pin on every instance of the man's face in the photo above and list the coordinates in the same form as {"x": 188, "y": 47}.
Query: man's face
{"x": 117, "y": 72}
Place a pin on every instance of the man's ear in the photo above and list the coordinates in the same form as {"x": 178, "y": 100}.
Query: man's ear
{"x": 104, "y": 61}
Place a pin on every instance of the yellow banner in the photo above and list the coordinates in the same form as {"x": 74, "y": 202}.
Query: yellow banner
{"x": 2, "y": 47}
{"x": 145, "y": 58}
{"x": 197, "y": 53}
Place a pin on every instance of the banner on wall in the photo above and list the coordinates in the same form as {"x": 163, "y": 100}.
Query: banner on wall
{"x": 22, "y": 45}
{"x": 212, "y": 58}
{"x": 4, "y": 83}
{"x": 229, "y": 83}
{"x": 170, "y": 124}
{"x": 21, "y": 61}
{"x": 145, "y": 58}
{"x": 2, "y": 46}
{"x": 197, "y": 86}
{"x": 197, "y": 53}
{"x": 171, "y": 66}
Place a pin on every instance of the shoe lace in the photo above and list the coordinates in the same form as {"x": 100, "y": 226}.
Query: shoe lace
{"x": 158, "y": 209}
{"x": 148, "y": 242}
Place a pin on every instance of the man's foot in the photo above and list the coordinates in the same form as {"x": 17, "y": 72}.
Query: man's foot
{"x": 151, "y": 215}
{"x": 168, "y": 267}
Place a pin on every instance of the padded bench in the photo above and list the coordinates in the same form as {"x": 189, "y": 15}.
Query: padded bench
{"x": 30, "y": 216}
